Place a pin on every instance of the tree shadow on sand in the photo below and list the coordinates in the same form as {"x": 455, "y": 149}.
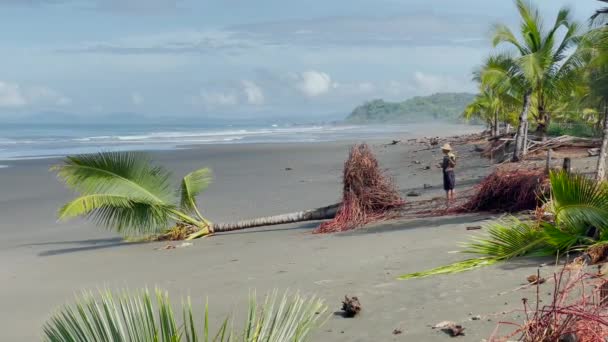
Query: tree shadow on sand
{"x": 81, "y": 245}
{"x": 397, "y": 225}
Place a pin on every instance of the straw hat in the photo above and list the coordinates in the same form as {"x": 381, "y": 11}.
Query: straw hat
{"x": 446, "y": 147}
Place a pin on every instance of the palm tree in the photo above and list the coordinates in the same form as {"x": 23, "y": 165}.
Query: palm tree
{"x": 137, "y": 317}
{"x": 495, "y": 101}
{"x": 601, "y": 15}
{"x": 542, "y": 62}
{"x": 125, "y": 192}
{"x": 594, "y": 50}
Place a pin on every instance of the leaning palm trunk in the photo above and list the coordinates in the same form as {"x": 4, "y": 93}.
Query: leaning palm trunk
{"x": 601, "y": 162}
{"x": 519, "y": 138}
{"x": 323, "y": 213}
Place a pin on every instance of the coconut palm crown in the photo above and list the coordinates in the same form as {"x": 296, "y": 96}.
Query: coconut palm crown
{"x": 125, "y": 192}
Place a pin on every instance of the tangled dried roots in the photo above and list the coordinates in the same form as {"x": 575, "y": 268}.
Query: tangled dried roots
{"x": 176, "y": 233}
{"x": 368, "y": 194}
{"x": 509, "y": 191}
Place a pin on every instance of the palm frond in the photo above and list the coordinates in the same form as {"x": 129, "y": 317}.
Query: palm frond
{"x": 578, "y": 201}
{"x": 121, "y": 213}
{"x": 192, "y": 185}
{"x": 124, "y": 191}
{"x": 509, "y": 238}
{"x": 120, "y": 173}
{"x": 457, "y": 267}
{"x": 137, "y": 317}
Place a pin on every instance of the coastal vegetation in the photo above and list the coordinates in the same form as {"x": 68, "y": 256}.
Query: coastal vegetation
{"x": 140, "y": 316}
{"x": 549, "y": 80}
{"x": 572, "y": 220}
{"x": 444, "y": 106}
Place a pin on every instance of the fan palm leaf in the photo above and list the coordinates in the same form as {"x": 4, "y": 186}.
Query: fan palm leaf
{"x": 192, "y": 185}
{"x": 137, "y": 317}
{"x": 578, "y": 201}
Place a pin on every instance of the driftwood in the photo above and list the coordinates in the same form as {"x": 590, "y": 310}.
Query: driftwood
{"x": 562, "y": 141}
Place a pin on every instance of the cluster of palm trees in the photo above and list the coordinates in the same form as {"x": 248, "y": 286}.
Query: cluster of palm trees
{"x": 544, "y": 73}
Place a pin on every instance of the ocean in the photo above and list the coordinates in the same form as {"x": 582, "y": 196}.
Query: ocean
{"x": 31, "y": 141}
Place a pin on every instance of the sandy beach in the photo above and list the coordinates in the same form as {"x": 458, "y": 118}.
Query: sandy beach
{"x": 43, "y": 263}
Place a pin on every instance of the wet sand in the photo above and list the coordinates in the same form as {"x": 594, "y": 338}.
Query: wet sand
{"x": 44, "y": 263}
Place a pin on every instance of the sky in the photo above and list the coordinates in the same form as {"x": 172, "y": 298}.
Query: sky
{"x": 241, "y": 59}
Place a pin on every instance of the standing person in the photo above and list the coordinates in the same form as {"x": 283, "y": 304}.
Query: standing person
{"x": 447, "y": 165}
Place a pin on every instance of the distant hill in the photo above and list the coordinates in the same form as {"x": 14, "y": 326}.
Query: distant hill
{"x": 442, "y": 106}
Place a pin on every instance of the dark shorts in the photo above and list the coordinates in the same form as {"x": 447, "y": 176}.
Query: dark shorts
{"x": 449, "y": 180}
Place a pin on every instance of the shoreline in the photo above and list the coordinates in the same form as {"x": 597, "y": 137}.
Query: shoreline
{"x": 252, "y": 180}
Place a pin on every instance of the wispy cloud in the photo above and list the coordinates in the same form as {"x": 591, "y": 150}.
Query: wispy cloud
{"x": 115, "y": 6}
{"x": 13, "y": 95}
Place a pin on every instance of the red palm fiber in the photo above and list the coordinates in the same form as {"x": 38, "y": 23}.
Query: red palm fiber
{"x": 368, "y": 194}
{"x": 509, "y": 191}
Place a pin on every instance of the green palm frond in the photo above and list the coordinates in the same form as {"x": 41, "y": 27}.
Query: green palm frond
{"x": 126, "y": 173}
{"x": 457, "y": 267}
{"x": 125, "y": 192}
{"x": 122, "y": 213}
{"x": 509, "y": 238}
{"x": 578, "y": 201}
{"x": 137, "y": 317}
{"x": 192, "y": 185}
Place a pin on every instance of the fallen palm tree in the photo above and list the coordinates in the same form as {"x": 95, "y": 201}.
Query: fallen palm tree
{"x": 126, "y": 193}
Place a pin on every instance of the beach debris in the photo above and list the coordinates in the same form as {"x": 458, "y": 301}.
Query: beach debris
{"x": 450, "y": 328}
{"x": 413, "y": 193}
{"x": 166, "y": 247}
{"x": 535, "y": 279}
{"x": 184, "y": 244}
{"x": 416, "y": 162}
{"x": 427, "y": 186}
{"x": 394, "y": 142}
{"x": 473, "y": 227}
{"x": 351, "y": 306}
{"x": 478, "y": 148}
{"x": 476, "y": 318}
{"x": 368, "y": 194}
{"x": 427, "y": 167}
{"x": 575, "y": 312}
{"x": 397, "y": 331}
{"x": 288, "y": 169}
{"x": 593, "y": 255}
{"x": 508, "y": 191}
{"x": 593, "y": 152}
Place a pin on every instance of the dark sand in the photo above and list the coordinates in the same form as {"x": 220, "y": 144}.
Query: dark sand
{"x": 44, "y": 263}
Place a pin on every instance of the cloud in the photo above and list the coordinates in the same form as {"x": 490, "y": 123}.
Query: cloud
{"x": 312, "y": 83}
{"x": 137, "y": 99}
{"x": 214, "y": 99}
{"x": 15, "y": 96}
{"x": 429, "y": 83}
{"x": 253, "y": 92}
{"x": 177, "y": 42}
{"x": 116, "y": 6}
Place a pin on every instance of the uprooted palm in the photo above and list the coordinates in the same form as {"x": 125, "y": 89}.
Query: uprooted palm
{"x": 124, "y": 191}
{"x": 579, "y": 207}
{"x": 137, "y": 317}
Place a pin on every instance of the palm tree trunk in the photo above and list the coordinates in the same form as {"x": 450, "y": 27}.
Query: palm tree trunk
{"x": 495, "y": 130}
{"x": 601, "y": 162}
{"x": 323, "y": 213}
{"x": 523, "y": 119}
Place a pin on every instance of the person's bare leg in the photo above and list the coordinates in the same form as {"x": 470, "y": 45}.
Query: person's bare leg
{"x": 447, "y": 198}
{"x": 452, "y": 195}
